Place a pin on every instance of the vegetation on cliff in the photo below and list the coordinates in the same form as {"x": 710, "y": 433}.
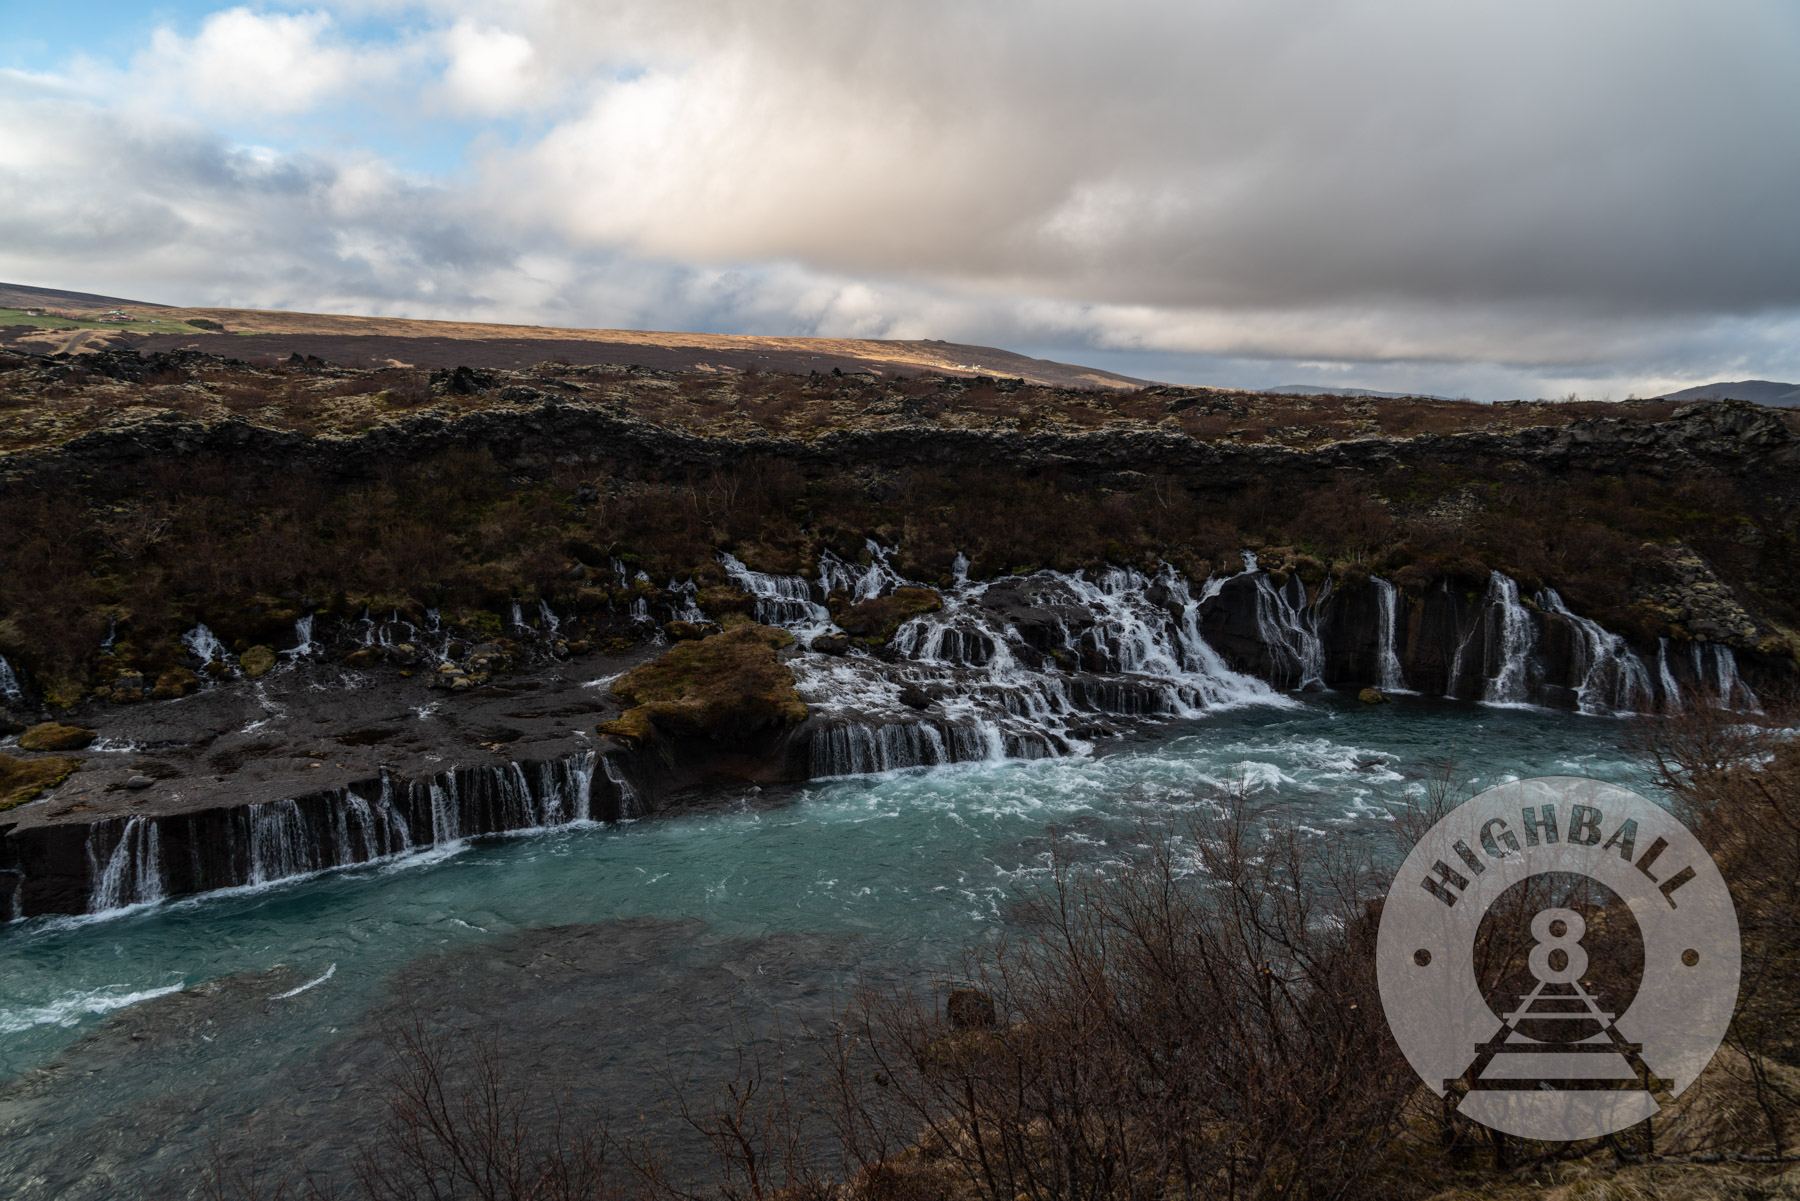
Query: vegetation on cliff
{"x": 139, "y": 496}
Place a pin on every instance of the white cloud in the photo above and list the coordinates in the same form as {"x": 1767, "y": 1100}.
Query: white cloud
{"x": 246, "y": 62}
{"x": 491, "y": 70}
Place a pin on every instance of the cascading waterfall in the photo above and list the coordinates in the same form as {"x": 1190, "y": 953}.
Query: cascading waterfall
{"x": 1390, "y": 676}
{"x": 265, "y": 843}
{"x": 781, "y": 600}
{"x": 1613, "y": 678}
{"x": 1507, "y": 636}
{"x": 9, "y": 682}
{"x": 281, "y": 843}
{"x": 1671, "y": 691}
{"x": 1285, "y": 622}
{"x": 964, "y": 684}
{"x": 303, "y": 639}
{"x": 205, "y": 645}
{"x": 1723, "y": 679}
{"x": 133, "y": 873}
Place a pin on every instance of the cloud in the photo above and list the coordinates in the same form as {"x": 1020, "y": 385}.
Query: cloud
{"x": 490, "y": 70}
{"x": 245, "y": 62}
{"x": 1528, "y": 192}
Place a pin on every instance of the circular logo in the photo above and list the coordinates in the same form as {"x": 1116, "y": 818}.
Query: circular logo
{"x": 1562, "y": 954}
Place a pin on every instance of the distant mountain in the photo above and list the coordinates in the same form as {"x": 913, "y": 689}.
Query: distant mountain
{"x": 1323, "y": 390}
{"x": 1762, "y": 391}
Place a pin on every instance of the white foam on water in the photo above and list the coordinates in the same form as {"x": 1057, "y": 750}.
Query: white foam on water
{"x": 72, "y": 1008}
{"x": 314, "y": 983}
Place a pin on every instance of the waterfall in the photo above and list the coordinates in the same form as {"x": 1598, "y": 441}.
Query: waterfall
{"x": 863, "y": 583}
{"x": 1671, "y": 691}
{"x": 1390, "y": 677}
{"x": 303, "y": 639}
{"x": 1507, "y": 639}
{"x": 133, "y": 874}
{"x": 280, "y": 842}
{"x": 272, "y": 841}
{"x": 446, "y": 820}
{"x": 9, "y": 682}
{"x": 781, "y": 600}
{"x": 547, "y": 618}
{"x": 205, "y": 645}
{"x": 1722, "y": 679}
{"x": 1286, "y": 623}
{"x": 1613, "y": 678}
{"x": 518, "y": 617}
{"x": 630, "y": 805}
{"x": 967, "y": 682}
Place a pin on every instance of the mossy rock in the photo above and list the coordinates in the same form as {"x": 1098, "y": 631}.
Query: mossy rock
{"x": 728, "y": 688}
{"x": 873, "y": 622}
{"x": 177, "y": 681}
{"x": 1372, "y": 696}
{"x": 689, "y": 631}
{"x": 257, "y": 661}
{"x": 23, "y": 780}
{"x": 53, "y": 736}
{"x": 722, "y": 599}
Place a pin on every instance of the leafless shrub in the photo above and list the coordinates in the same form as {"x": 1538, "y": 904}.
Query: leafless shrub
{"x": 1736, "y": 779}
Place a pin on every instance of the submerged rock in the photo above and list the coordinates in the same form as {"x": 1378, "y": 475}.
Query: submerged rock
{"x": 53, "y": 736}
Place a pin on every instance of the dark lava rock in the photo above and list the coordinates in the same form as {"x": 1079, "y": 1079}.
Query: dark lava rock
{"x": 831, "y": 644}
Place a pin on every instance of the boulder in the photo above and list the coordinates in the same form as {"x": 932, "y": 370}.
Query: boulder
{"x": 729, "y": 688}
{"x": 22, "y": 780}
{"x": 257, "y": 661}
{"x": 689, "y": 631}
{"x": 873, "y": 622}
{"x": 831, "y": 644}
{"x": 53, "y": 736}
{"x": 1372, "y": 696}
{"x": 368, "y": 656}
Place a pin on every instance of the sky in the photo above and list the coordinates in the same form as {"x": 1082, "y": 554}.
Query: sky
{"x": 1480, "y": 199}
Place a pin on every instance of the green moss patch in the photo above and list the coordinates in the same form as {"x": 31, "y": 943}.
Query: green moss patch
{"x": 729, "y": 687}
{"x": 23, "y": 780}
{"x": 51, "y": 736}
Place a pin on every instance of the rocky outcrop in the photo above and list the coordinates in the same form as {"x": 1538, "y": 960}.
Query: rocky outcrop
{"x": 872, "y": 622}
{"x": 723, "y": 706}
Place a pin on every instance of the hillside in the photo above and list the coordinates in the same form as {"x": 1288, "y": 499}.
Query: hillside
{"x": 374, "y": 342}
{"x": 1759, "y": 391}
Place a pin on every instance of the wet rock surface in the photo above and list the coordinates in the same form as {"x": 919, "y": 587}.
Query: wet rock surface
{"x": 304, "y": 729}
{"x": 607, "y": 1010}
